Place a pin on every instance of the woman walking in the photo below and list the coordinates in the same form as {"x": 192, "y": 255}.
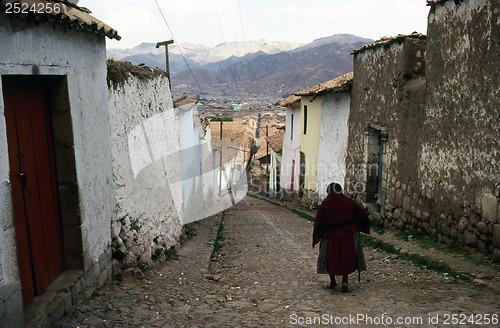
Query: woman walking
{"x": 337, "y": 225}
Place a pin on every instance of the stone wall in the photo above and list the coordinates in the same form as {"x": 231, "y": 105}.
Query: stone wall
{"x": 423, "y": 139}
{"x": 146, "y": 169}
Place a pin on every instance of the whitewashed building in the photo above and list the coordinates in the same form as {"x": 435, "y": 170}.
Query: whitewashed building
{"x": 56, "y": 192}
{"x": 331, "y": 140}
{"x": 290, "y": 164}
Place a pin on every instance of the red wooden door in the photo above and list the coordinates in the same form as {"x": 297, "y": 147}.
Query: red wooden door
{"x": 34, "y": 187}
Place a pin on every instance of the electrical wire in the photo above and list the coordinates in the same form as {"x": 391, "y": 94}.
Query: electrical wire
{"x": 180, "y": 50}
{"x": 244, "y": 42}
{"x": 225, "y": 45}
{"x": 208, "y": 36}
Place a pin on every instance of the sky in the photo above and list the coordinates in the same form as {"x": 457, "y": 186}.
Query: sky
{"x": 210, "y": 22}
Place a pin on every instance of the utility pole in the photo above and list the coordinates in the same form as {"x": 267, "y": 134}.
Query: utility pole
{"x": 220, "y": 160}
{"x": 267, "y": 148}
{"x": 166, "y": 43}
{"x": 268, "y": 158}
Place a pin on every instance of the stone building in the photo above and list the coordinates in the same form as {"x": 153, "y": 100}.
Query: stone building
{"x": 56, "y": 192}
{"x": 424, "y": 143}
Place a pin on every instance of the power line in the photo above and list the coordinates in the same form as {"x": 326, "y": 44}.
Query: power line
{"x": 244, "y": 41}
{"x": 208, "y": 36}
{"x": 234, "y": 30}
{"x": 225, "y": 45}
{"x": 180, "y": 50}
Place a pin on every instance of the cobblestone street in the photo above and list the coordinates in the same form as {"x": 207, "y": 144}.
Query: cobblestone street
{"x": 265, "y": 276}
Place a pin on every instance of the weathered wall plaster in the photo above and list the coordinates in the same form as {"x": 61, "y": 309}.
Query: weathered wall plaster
{"x": 146, "y": 171}
{"x": 434, "y": 108}
{"x": 332, "y": 146}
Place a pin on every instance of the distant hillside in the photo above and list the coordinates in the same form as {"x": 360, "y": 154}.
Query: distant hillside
{"x": 281, "y": 73}
{"x": 211, "y": 59}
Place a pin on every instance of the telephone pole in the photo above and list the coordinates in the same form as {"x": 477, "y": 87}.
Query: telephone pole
{"x": 166, "y": 43}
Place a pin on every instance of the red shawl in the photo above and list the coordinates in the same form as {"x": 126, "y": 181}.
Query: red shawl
{"x": 339, "y": 215}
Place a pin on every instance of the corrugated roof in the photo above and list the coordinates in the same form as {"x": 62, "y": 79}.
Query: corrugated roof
{"x": 67, "y": 14}
{"x": 289, "y": 101}
{"x": 339, "y": 84}
{"x": 276, "y": 141}
{"x": 385, "y": 41}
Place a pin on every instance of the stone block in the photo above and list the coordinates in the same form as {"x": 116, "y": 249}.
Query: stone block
{"x": 65, "y": 281}
{"x": 105, "y": 275}
{"x": 56, "y": 310}
{"x": 496, "y": 235}
{"x": 406, "y": 203}
{"x": 470, "y": 238}
{"x": 445, "y": 229}
{"x": 463, "y": 224}
{"x": 489, "y": 208}
{"x": 12, "y": 305}
{"x": 76, "y": 291}
{"x": 68, "y": 302}
{"x": 474, "y": 219}
{"x": 396, "y": 214}
{"x": 399, "y": 197}
{"x": 433, "y": 220}
{"x": 392, "y": 197}
{"x": 496, "y": 254}
{"x": 453, "y": 231}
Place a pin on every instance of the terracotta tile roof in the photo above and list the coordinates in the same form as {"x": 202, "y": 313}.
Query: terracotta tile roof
{"x": 339, "y": 84}
{"x": 385, "y": 41}
{"x": 67, "y": 14}
{"x": 276, "y": 141}
{"x": 289, "y": 101}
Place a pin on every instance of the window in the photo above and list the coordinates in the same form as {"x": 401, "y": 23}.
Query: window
{"x": 305, "y": 119}
{"x": 291, "y": 127}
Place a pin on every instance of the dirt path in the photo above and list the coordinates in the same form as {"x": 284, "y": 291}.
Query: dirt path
{"x": 265, "y": 276}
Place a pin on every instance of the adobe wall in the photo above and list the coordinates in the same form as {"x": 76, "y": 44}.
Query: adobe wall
{"x": 460, "y": 158}
{"x": 439, "y": 128}
{"x": 387, "y": 100}
{"x": 146, "y": 167}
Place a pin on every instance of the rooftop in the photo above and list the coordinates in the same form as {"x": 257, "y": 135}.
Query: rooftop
{"x": 64, "y": 13}
{"x": 276, "y": 141}
{"x": 339, "y": 84}
{"x": 436, "y": 2}
{"x": 387, "y": 41}
{"x": 289, "y": 101}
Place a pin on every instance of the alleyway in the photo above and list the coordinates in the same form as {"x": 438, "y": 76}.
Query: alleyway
{"x": 264, "y": 276}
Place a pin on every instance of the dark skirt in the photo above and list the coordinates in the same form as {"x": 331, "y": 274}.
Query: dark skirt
{"x": 341, "y": 256}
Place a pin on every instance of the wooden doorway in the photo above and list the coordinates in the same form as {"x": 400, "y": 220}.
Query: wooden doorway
{"x": 34, "y": 183}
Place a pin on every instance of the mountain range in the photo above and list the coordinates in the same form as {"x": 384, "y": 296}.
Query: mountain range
{"x": 267, "y": 69}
